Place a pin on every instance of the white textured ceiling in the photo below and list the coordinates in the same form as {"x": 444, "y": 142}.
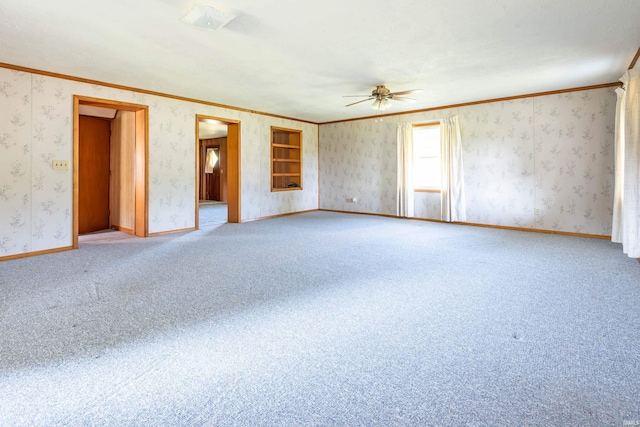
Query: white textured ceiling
{"x": 297, "y": 58}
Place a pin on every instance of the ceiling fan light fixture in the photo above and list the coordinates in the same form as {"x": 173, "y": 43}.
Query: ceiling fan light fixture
{"x": 381, "y": 104}
{"x": 207, "y": 17}
{"x": 381, "y": 96}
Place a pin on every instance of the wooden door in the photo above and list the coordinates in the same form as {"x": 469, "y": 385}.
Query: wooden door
{"x": 122, "y": 184}
{"x": 93, "y": 175}
{"x": 210, "y": 182}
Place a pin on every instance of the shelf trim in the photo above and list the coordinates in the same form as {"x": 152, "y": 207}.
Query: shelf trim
{"x": 287, "y": 174}
{"x": 285, "y": 188}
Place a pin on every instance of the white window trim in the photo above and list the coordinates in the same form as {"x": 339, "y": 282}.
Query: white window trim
{"x": 430, "y": 189}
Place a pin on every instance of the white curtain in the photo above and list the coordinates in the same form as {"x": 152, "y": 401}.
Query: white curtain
{"x": 405, "y": 170}
{"x": 452, "y": 185}
{"x": 626, "y": 224}
{"x": 210, "y": 161}
{"x": 616, "y": 229}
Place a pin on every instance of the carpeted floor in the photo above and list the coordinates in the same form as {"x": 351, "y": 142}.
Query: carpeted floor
{"x": 212, "y": 213}
{"x": 323, "y": 319}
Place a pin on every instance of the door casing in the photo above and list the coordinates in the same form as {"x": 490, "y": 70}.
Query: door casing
{"x": 141, "y": 160}
{"x": 233, "y": 168}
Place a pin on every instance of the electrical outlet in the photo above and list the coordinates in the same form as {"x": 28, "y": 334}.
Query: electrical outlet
{"x": 61, "y": 164}
{"x": 537, "y": 211}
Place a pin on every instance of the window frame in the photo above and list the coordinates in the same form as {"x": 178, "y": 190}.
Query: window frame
{"x": 426, "y": 189}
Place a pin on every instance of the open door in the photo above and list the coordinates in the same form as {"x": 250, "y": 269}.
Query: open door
{"x": 126, "y": 205}
{"x": 93, "y": 174}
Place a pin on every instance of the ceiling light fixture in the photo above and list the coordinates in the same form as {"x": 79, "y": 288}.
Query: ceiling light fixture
{"x": 381, "y": 104}
{"x": 207, "y": 17}
{"x": 381, "y": 97}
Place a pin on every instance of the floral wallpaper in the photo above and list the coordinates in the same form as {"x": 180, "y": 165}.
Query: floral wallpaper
{"x": 542, "y": 162}
{"x": 36, "y": 127}
{"x": 358, "y": 160}
{"x": 15, "y": 164}
{"x": 51, "y": 190}
{"x": 574, "y": 152}
{"x": 497, "y": 142}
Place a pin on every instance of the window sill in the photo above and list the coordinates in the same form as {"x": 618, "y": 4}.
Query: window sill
{"x": 426, "y": 190}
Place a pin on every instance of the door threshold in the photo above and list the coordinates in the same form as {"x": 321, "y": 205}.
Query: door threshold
{"x": 108, "y": 234}
{"x": 106, "y": 230}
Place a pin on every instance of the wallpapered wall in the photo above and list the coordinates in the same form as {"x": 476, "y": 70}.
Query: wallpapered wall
{"x": 36, "y": 127}
{"x": 542, "y": 162}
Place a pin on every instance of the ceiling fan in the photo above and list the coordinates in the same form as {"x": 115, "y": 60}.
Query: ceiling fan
{"x": 381, "y": 96}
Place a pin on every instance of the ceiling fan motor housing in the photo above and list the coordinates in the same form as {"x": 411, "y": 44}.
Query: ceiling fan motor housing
{"x": 380, "y": 92}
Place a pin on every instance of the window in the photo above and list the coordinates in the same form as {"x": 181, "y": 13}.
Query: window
{"x": 286, "y": 159}
{"x": 426, "y": 157}
{"x": 211, "y": 160}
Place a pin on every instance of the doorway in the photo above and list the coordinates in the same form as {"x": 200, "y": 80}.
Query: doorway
{"x": 217, "y": 171}
{"x": 109, "y": 167}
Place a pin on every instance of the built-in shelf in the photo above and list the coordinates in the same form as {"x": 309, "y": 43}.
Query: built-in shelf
{"x": 286, "y": 159}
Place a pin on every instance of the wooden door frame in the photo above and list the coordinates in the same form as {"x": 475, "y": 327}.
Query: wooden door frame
{"x": 233, "y": 168}
{"x": 141, "y": 159}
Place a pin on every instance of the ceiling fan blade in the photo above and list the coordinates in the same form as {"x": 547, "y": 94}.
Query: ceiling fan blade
{"x": 407, "y": 92}
{"x": 401, "y": 98}
{"x": 358, "y": 102}
{"x": 355, "y": 96}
